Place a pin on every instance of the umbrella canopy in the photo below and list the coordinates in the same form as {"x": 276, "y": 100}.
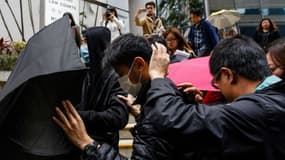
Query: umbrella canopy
{"x": 195, "y": 71}
{"x": 224, "y": 18}
{"x": 48, "y": 70}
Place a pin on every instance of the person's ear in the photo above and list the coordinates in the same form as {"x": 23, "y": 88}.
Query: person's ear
{"x": 139, "y": 63}
{"x": 229, "y": 74}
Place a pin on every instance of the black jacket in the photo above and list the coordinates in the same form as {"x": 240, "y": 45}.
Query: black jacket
{"x": 103, "y": 113}
{"x": 264, "y": 43}
{"x": 251, "y": 127}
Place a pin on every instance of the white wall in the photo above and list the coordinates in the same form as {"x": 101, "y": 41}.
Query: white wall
{"x": 28, "y": 31}
{"x": 37, "y": 15}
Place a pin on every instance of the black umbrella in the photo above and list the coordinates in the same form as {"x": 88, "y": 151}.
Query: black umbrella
{"x": 47, "y": 71}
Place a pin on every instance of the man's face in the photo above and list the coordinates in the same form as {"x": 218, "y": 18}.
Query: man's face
{"x": 150, "y": 10}
{"x": 136, "y": 72}
{"x": 194, "y": 18}
{"x": 224, "y": 81}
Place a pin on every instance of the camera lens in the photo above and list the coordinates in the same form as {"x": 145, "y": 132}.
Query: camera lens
{"x": 108, "y": 13}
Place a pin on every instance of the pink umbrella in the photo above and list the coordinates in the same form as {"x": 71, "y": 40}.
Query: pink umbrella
{"x": 195, "y": 71}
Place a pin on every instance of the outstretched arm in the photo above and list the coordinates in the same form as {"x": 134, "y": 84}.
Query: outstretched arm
{"x": 72, "y": 125}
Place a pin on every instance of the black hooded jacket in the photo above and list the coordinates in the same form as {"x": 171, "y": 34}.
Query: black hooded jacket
{"x": 251, "y": 127}
{"x": 103, "y": 113}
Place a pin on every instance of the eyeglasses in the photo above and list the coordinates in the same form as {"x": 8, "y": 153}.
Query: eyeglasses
{"x": 215, "y": 78}
{"x": 171, "y": 39}
{"x": 273, "y": 68}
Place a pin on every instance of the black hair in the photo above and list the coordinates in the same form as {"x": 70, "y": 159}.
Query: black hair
{"x": 242, "y": 55}
{"x": 83, "y": 32}
{"x": 277, "y": 52}
{"x": 98, "y": 39}
{"x": 150, "y": 3}
{"x": 196, "y": 11}
{"x": 125, "y": 48}
{"x": 156, "y": 38}
{"x": 113, "y": 9}
{"x": 70, "y": 17}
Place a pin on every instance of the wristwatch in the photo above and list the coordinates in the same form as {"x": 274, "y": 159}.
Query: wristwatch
{"x": 90, "y": 150}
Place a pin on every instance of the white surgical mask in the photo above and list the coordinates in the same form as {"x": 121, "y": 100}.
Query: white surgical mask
{"x": 128, "y": 86}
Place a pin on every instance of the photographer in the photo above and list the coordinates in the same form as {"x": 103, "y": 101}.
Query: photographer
{"x": 150, "y": 23}
{"x": 111, "y": 21}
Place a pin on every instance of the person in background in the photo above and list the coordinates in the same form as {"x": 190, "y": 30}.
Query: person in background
{"x": 103, "y": 113}
{"x": 111, "y": 20}
{"x": 75, "y": 29}
{"x": 276, "y": 58}
{"x": 151, "y": 24}
{"x": 266, "y": 32}
{"x": 251, "y": 125}
{"x": 84, "y": 53}
{"x": 203, "y": 36}
{"x": 177, "y": 45}
{"x": 227, "y": 34}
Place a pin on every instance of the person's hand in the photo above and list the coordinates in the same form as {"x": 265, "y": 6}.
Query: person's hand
{"x": 141, "y": 10}
{"x": 72, "y": 125}
{"x": 104, "y": 16}
{"x": 159, "y": 61}
{"x": 135, "y": 110}
{"x": 188, "y": 88}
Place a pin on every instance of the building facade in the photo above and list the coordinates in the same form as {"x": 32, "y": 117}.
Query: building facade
{"x": 21, "y": 21}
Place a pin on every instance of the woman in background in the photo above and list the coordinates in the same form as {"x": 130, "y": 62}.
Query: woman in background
{"x": 111, "y": 20}
{"x": 276, "y": 58}
{"x": 179, "y": 48}
{"x": 266, "y": 32}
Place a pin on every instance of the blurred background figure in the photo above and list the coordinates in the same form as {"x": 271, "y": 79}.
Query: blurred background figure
{"x": 230, "y": 33}
{"x": 111, "y": 20}
{"x": 75, "y": 29}
{"x": 276, "y": 58}
{"x": 150, "y": 23}
{"x": 84, "y": 53}
{"x": 203, "y": 36}
{"x": 178, "y": 47}
{"x": 266, "y": 32}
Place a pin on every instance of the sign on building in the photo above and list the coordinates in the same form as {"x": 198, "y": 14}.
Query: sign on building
{"x": 54, "y": 9}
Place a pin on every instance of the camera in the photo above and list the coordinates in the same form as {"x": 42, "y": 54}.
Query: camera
{"x": 108, "y": 13}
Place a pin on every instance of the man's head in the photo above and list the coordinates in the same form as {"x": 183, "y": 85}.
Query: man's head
{"x": 195, "y": 15}
{"x": 130, "y": 55}
{"x": 238, "y": 64}
{"x": 150, "y": 8}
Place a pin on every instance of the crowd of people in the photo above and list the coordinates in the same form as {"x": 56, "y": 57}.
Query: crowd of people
{"x": 127, "y": 73}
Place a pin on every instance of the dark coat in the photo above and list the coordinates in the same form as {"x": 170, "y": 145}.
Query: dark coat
{"x": 210, "y": 38}
{"x": 251, "y": 127}
{"x": 258, "y": 37}
{"x": 103, "y": 113}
